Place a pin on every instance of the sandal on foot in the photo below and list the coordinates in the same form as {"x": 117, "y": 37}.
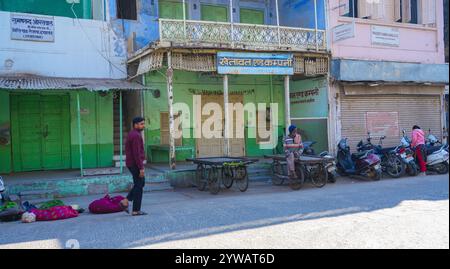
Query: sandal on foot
{"x": 125, "y": 208}
{"x": 139, "y": 213}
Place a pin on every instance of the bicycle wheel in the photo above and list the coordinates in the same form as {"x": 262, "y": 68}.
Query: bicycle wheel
{"x": 241, "y": 178}
{"x": 227, "y": 177}
{"x": 200, "y": 177}
{"x": 319, "y": 175}
{"x": 277, "y": 174}
{"x": 213, "y": 180}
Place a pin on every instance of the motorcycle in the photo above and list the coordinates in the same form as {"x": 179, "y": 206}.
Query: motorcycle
{"x": 366, "y": 163}
{"x": 407, "y": 155}
{"x": 391, "y": 161}
{"x": 436, "y": 157}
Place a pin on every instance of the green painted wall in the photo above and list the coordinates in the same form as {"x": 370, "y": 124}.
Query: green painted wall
{"x": 5, "y": 138}
{"x": 97, "y": 129}
{"x": 309, "y": 110}
{"x": 186, "y": 82}
{"x": 83, "y": 9}
{"x": 309, "y": 105}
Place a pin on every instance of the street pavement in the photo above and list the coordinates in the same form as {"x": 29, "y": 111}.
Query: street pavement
{"x": 391, "y": 213}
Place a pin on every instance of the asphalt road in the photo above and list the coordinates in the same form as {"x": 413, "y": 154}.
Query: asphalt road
{"x": 400, "y": 213}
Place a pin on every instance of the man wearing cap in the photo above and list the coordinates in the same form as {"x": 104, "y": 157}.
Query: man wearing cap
{"x": 292, "y": 146}
{"x": 135, "y": 156}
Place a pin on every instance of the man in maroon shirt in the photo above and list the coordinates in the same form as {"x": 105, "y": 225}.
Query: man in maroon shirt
{"x": 135, "y": 156}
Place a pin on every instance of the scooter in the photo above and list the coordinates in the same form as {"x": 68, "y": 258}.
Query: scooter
{"x": 407, "y": 155}
{"x": 437, "y": 157}
{"x": 365, "y": 164}
{"x": 391, "y": 161}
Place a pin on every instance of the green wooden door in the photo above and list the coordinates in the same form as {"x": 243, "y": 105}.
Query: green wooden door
{"x": 172, "y": 9}
{"x": 55, "y": 132}
{"x": 214, "y": 13}
{"x": 251, "y": 16}
{"x": 40, "y": 132}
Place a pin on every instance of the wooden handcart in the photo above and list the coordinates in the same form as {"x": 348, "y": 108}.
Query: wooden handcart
{"x": 213, "y": 172}
{"x": 315, "y": 169}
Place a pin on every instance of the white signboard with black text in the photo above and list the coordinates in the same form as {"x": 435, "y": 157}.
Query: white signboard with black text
{"x": 32, "y": 28}
{"x": 385, "y": 36}
{"x": 343, "y": 31}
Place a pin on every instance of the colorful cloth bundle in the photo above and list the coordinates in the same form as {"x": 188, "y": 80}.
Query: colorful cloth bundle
{"x": 106, "y": 205}
{"x": 55, "y": 213}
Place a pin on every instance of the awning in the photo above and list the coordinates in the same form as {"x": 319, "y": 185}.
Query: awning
{"x": 389, "y": 72}
{"x": 53, "y": 83}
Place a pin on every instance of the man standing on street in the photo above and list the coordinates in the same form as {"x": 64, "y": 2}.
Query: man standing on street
{"x": 135, "y": 156}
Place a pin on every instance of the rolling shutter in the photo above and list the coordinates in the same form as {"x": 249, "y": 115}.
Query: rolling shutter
{"x": 423, "y": 110}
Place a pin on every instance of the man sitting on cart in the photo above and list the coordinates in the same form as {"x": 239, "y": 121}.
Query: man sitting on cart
{"x": 293, "y": 147}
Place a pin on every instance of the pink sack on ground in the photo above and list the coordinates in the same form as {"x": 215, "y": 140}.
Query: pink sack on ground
{"x": 55, "y": 213}
{"x": 106, "y": 205}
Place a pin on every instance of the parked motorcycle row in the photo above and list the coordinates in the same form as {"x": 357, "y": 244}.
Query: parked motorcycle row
{"x": 371, "y": 161}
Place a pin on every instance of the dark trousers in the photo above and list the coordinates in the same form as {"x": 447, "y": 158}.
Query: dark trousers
{"x": 136, "y": 192}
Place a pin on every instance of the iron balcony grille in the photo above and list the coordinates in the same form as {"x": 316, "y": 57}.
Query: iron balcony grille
{"x": 189, "y": 31}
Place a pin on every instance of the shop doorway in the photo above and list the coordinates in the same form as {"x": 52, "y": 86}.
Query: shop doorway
{"x": 213, "y": 147}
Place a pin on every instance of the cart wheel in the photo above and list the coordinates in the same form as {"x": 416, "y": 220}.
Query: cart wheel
{"x": 227, "y": 177}
{"x": 200, "y": 177}
{"x": 242, "y": 178}
{"x": 297, "y": 183}
{"x": 277, "y": 174}
{"x": 213, "y": 180}
{"x": 319, "y": 175}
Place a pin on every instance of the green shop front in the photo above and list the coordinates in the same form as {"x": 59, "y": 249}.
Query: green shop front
{"x": 183, "y": 82}
{"x": 58, "y": 124}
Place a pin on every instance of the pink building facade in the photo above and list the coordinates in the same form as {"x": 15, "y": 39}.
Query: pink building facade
{"x": 388, "y": 71}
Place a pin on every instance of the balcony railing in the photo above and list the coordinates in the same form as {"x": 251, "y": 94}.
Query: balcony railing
{"x": 240, "y": 34}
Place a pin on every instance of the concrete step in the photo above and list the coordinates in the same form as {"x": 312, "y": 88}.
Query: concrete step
{"x": 117, "y": 163}
{"x": 37, "y": 196}
{"x": 117, "y": 157}
{"x": 162, "y": 186}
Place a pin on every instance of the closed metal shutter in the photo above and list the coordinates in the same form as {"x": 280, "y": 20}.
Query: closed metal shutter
{"x": 423, "y": 110}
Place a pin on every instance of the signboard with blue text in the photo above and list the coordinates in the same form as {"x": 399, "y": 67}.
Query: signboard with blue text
{"x": 244, "y": 63}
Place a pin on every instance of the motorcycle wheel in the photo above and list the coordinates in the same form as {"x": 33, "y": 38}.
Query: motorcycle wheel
{"x": 331, "y": 178}
{"x": 395, "y": 167}
{"x": 441, "y": 168}
{"x": 375, "y": 175}
{"x": 277, "y": 173}
{"x": 411, "y": 169}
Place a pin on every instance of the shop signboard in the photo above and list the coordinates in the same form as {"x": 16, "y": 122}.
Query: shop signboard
{"x": 255, "y": 63}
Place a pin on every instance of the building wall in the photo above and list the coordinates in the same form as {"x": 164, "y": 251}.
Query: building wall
{"x": 82, "y": 48}
{"x": 62, "y": 8}
{"x": 185, "y": 82}
{"x": 145, "y": 27}
{"x": 5, "y": 137}
{"x": 418, "y": 43}
{"x": 293, "y": 13}
{"x": 97, "y": 129}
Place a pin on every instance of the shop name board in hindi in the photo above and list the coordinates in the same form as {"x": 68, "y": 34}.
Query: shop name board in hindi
{"x": 32, "y": 28}
{"x": 255, "y": 63}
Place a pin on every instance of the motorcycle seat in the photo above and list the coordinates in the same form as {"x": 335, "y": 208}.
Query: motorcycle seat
{"x": 360, "y": 155}
{"x": 387, "y": 150}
